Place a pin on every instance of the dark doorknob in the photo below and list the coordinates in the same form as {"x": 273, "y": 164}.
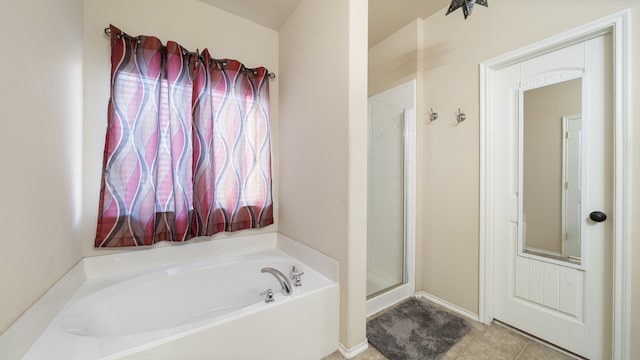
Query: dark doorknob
{"x": 598, "y": 216}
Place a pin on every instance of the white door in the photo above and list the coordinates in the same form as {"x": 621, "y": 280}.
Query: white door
{"x": 551, "y": 297}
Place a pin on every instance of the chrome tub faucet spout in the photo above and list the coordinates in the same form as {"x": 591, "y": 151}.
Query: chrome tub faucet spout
{"x": 284, "y": 281}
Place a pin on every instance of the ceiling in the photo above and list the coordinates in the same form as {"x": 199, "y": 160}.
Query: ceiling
{"x": 385, "y": 16}
{"x": 270, "y": 13}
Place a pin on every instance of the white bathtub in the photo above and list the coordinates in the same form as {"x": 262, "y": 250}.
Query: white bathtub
{"x": 189, "y": 305}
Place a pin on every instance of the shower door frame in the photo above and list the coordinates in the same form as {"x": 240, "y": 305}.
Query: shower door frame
{"x": 385, "y": 298}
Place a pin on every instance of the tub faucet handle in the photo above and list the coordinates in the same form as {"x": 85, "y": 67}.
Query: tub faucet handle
{"x": 295, "y": 276}
{"x": 269, "y": 294}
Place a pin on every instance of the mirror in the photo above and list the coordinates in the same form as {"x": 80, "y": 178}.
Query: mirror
{"x": 551, "y": 146}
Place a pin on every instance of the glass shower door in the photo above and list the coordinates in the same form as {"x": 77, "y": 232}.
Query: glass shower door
{"x": 385, "y": 216}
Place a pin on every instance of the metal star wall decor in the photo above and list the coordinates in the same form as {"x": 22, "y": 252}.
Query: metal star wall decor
{"x": 466, "y": 5}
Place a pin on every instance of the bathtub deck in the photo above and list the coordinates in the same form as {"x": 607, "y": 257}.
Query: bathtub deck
{"x": 254, "y": 332}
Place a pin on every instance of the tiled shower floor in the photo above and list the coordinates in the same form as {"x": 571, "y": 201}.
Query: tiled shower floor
{"x": 491, "y": 342}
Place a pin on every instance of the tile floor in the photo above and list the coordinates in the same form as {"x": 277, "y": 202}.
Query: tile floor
{"x": 494, "y": 342}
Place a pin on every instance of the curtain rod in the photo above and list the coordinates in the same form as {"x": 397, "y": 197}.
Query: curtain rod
{"x": 107, "y": 32}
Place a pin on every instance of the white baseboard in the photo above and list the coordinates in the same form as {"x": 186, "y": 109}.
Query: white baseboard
{"x": 455, "y": 308}
{"x": 354, "y": 351}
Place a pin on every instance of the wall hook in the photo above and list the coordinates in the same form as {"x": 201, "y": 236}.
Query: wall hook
{"x": 433, "y": 116}
{"x": 461, "y": 116}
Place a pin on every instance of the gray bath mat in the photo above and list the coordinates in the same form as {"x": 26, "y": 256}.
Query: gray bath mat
{"x": 415, "y": 329}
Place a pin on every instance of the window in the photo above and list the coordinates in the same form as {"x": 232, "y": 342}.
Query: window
{"x": 187, "y": 150}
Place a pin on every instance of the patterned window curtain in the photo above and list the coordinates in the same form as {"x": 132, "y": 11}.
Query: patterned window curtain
{"x": 187, "y": 149}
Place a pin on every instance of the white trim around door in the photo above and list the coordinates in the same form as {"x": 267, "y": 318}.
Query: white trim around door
{"x": 618, "y": 25}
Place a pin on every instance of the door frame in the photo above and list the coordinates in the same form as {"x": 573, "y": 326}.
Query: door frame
{"x": 618, "y": 25}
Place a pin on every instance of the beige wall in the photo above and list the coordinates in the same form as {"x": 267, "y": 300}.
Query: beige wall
{"x": 353, "y": 330}
{"x": 542, "y": 156}
{"x": 41, "y": 109}
{"x": 453, "y": 49}
{"x": 194, "y": 25}
{"x": 394, "y": 60}
{"x": 323, "y": 143}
